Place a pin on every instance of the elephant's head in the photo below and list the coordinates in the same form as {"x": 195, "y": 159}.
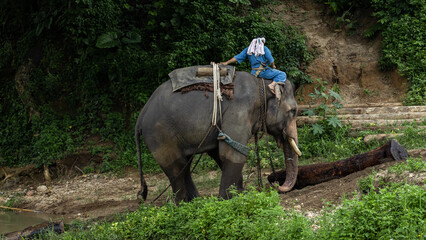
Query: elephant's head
{"x": 281, "y": 123}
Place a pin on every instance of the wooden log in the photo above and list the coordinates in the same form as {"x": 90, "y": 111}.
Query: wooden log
{"x": 356, "y": 130}
{"x": 374, "y": 110}
{"x": 392, "y": 116}
{"x": 36, "y": 230}
{"x": 206, "y": 71}
{"x": 359, "y": 123}
{"x": 322, "y": 172}
{"x": 361, "y": 105}
{"x": 378, "y": 137}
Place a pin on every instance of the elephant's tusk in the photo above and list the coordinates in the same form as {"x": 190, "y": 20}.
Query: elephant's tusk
{"x": 294, "y": 146}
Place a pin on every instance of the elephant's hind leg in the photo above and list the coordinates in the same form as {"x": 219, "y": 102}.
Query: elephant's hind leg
{"x": 192, "y": 191}
{"x": 180, "y": 178}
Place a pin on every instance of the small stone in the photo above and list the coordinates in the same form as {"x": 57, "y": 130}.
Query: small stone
{"x": 298, "y": 207}
{"x": 41, "y": 189}
{"x": 30, "y": 193}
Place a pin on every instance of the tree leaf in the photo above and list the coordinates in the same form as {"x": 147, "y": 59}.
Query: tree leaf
{"x": 335, "y": 95}
{"x": 108, "y": 40}
{"x": 132, "y": 37}
{"x": 334, "y": 121}
{"x": 318, "y": 129}
{"x": 308, "y": 112}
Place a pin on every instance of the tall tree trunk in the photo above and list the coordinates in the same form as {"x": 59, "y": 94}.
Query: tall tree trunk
{"x": 22, "y": 78}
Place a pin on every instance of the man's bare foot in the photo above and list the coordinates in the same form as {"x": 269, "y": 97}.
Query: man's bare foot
{"x": 272, "y": 87}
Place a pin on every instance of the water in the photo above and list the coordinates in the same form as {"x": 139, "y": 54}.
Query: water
{"x": 12, "y": 221}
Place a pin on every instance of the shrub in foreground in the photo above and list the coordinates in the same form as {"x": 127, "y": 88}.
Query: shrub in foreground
{"x": 394, "y": 212}
{"x": 250, "y": 215}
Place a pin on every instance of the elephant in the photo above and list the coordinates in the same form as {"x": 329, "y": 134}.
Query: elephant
{"x": 173, "y": 125}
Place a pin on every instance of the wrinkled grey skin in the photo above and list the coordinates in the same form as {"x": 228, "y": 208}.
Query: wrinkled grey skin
{"x": 173, "y": 124}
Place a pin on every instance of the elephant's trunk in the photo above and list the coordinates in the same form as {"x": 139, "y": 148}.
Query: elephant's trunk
{"x": 292, "y": 153}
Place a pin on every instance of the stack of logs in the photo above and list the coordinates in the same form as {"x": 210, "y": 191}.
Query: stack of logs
{"x": 363, "y": 116}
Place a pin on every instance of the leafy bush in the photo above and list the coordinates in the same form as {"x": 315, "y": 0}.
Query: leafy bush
{"x": 411, "y": 165}
{"x": 405, "y": 25}
{"x": 394, "y": 212}
{"x": 251, "y": 215}
{"x": 52, "y": 144}
{"x": 329, "y": 122}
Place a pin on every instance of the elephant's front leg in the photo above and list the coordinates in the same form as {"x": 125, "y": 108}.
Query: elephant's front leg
{"x": 232, "y": 166}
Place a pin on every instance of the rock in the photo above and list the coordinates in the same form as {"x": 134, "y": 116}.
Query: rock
{"x": 42, "y": 189}
{"x": 298, "y": 208}
{"x": 30, "y": 193}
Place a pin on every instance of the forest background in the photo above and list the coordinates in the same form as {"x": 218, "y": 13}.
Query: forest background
{"x": 77, "y": 68}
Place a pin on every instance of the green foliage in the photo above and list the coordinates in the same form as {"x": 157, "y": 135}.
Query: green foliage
{"x": 97, "y": 62}
{"x": 411, "y": 165}
{"x": 251, "y": 215}
{"x": 393, "y": 212}
{"x": 52, "y": 144}
{"x": 329, "y": 121}
{"x": 339, "y": 6}
{"x": 404, "y": 27}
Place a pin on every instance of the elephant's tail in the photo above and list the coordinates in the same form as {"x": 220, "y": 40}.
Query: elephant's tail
{"x": 144, "y": 188}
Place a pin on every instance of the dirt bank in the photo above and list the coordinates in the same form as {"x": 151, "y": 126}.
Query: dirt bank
{"x": 342, "y": 55}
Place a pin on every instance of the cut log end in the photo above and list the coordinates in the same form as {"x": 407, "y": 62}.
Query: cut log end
{"x": 398, "y": 152}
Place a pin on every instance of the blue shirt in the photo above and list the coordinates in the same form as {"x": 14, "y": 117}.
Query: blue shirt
{"x": 255, "y": 61}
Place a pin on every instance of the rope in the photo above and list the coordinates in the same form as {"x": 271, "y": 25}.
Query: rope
{"x": 259, "y": 169}
{"x": 262, "y": 120}
{"x": 19, "y": 209}
{"x": 236, "y": 145}
{"x": 217, "y": 96}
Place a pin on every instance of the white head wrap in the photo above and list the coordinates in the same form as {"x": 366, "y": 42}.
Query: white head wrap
{"x": 256, "y": 47}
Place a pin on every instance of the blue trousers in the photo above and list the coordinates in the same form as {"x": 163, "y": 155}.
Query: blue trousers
{"x": 273, "y": 74}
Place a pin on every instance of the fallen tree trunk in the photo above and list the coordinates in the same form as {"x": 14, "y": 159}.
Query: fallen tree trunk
{"x": 379, "y": 137}
{"x": 322, "y": 172}
{"x": 36, "y": 230}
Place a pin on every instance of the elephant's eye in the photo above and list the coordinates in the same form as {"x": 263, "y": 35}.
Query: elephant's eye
{"x": 293, "y": 111}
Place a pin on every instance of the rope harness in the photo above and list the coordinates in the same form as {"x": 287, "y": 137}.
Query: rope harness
{"x": 263, "y": 128}
{"x": 217, "y": 99}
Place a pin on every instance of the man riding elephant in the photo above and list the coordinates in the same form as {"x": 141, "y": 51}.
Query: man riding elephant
{"x": 260, "y": 58}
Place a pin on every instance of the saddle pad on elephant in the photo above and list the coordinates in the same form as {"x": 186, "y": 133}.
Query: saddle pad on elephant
{"x": 183, "y": 77}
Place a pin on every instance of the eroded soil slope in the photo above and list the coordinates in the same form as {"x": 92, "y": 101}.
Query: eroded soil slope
{"x": 343, "y": 56}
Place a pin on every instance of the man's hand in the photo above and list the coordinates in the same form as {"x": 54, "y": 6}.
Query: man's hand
{"x": 232, "y": 60}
